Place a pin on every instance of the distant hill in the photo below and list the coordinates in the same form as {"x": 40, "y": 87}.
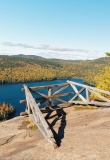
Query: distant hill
{"x": 20, "y": 68}
{"x": 30, "y": 56}
{"x": 39, "y": 57}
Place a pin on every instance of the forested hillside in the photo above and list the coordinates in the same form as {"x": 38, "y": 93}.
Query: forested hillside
{"x": 102, "y": 79}
{"x": 32, "y": 68}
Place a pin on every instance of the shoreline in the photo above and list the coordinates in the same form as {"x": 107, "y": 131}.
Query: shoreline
{"x": 44, "y": 80}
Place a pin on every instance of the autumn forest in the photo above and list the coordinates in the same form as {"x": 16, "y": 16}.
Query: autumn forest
{"x": 22, "y": 68}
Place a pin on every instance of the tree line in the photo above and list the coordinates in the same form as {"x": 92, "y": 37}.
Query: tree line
{"x": 28, "y": 68}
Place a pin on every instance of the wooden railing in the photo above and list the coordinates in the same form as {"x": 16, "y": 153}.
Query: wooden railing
{"x": 87, "y": 100}
{"x": 76, "y": 91}
{"x": 50, "y": 96}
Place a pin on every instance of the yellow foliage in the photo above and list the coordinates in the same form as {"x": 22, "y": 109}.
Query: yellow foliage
{"x": 103, "y": 79}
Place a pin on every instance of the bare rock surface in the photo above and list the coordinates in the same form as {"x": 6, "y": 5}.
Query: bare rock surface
{"x": 82, "y": 135}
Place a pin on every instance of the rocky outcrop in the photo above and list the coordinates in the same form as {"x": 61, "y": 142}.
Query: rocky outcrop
{"x": 82, "y": 135}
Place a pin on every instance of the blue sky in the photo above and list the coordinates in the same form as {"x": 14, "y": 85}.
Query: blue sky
{"x": 66, "y": 29}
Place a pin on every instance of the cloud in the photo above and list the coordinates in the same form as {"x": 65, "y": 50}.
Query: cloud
{"x": 71, "y": 55}
{"x": 49, "y": 51}
{"x": 44, "y": 47}
{"x": 18, "y": 45}
{"x": 54, "y": 48}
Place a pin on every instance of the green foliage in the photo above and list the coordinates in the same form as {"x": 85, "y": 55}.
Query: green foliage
{"x": 6, "y": 111}
{"x": 107, "y": 53}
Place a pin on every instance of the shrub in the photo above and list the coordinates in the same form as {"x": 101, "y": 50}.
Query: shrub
{"x": 6, "y": 111}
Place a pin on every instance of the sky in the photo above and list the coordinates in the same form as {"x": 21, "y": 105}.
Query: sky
{"x": 63, "y": 29}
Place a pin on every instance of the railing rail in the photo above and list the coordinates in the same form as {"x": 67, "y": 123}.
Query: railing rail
{"x": 36, "y": 115}
{"x": 104, "y": 101}
{"x": 76, "y": 93}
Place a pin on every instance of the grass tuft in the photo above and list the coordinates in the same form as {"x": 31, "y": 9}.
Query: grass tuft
{"x": 29, "y": 123}
{"x": 82, "y": 107}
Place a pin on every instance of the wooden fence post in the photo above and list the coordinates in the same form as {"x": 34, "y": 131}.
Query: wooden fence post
{"x": 87, "y": 94}
{"x": 50, "y": 99}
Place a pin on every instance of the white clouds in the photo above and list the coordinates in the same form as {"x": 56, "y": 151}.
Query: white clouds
{"x": 71, "y": 56}
{"x": 18, "y": 45}
{"x": 48, "y": 51}
{"x": 55, "y": 48}
{"x": 44, "y": 47}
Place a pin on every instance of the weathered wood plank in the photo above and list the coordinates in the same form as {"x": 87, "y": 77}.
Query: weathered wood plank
{"x": 48, "y": 86}
{"x": 77, "y": 84}
{"x": 61, "y": 89}
{"x": 82, "y": 89}
{"x": 87, "y": 94}
{"x": 64, "y": 94}
{"x": 41, "y": 98}
{"x": 40, "y": 103}
{"x": 50, "y": 94}
{"x": 58, "y": 99}
{"x": 24, "y": 100}
{"x": 103, "y": 104}
{"x": 93, "y": 88}
{"x": 28, "y": 110}
{"x": 100, "y": 96}
{"x": 100, "y": 90}
{"x": 41, "y": 94}
{"x": 79, "y": 95}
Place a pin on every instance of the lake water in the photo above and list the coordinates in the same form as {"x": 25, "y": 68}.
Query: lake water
{"x": 12, "y": 94}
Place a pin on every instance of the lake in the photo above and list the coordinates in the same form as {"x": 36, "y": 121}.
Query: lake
{"x": 12, "y": 94}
